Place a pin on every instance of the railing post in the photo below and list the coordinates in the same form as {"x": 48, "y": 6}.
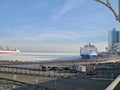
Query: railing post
{"x": 114, "y": 84}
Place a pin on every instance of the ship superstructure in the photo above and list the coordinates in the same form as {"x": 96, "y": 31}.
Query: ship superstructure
{"x": 89, "y": 51}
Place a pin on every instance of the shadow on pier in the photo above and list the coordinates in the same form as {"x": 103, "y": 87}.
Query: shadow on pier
{"x": 69, "y": 84}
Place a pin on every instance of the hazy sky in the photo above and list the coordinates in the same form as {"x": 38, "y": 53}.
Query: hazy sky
{"x": 55, "y": 25}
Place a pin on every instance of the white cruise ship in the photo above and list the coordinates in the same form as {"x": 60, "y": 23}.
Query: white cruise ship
{"x": 89, "y": 51}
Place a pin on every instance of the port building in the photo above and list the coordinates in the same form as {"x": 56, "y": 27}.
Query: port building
{"x": 113, "y": 40}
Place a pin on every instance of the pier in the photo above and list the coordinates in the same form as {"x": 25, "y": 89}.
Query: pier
{"x": 41, "y": 79}
{"x": 10, "y": 67}
{"x": 13, "y": 82}
{"x": 48, "y": 83}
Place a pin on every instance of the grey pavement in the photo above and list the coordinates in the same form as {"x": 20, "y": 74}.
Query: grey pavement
{"x": 71, "y": 84}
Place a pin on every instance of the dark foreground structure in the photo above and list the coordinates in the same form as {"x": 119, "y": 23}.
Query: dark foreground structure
{"x": 69, "y": 84}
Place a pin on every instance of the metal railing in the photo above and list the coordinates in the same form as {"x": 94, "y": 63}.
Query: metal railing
{"x": 114, "y": 84}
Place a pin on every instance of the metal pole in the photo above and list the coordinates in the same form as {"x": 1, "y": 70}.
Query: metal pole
{"x": 119, "y": 10}
{"x": 55, "y": 82}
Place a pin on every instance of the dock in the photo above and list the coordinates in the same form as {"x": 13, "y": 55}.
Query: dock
{"x": 37, "y": 79}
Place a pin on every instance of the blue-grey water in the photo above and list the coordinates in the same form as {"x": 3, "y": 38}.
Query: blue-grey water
{"x": 38, "y": 56}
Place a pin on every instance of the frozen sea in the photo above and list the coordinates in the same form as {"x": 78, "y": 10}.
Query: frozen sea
{"x": 38, "y": 56}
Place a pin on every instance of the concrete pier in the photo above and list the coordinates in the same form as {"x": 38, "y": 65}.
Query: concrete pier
{"x": 48, "y": 83}
{"x": 58, "y": 80}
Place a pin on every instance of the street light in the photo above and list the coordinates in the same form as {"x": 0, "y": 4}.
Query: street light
{"x": 119, "y": 9}
{"x": 108, "y": 4}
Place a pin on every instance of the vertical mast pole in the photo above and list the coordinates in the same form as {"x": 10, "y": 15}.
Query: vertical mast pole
{"x": 119, "y": 10}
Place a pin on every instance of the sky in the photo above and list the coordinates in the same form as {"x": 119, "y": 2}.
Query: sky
{"x": 55, "y": 25}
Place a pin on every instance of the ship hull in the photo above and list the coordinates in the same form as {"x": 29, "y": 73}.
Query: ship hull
{"x": 87, "y": 56}
{"x": 9, "y": 52}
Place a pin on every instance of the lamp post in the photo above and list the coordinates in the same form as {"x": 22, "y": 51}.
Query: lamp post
{"x": 108, "y": 4}
{"x": 119, "y": 9}
{"x": 55, "y": 82}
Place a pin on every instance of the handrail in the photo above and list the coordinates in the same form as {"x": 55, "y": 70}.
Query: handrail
{"x": 114, "y": 84}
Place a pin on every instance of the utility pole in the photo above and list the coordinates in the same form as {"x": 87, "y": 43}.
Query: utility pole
{"x": 108, "y": 4}
{"x": 119, "y": 9}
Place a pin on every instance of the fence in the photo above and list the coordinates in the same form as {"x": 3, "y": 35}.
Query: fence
{"x": 36, "y": 72}
{"x": 58, "y": 73}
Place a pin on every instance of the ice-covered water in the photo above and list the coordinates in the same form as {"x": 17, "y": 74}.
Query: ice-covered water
{"x": 38, "y": 56}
